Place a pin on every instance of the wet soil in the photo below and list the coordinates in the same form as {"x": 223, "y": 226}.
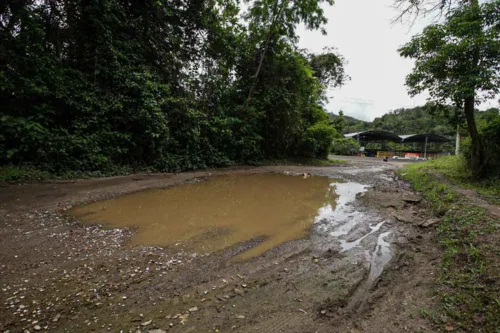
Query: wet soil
{"x": 360, "y": 267}
{"x": 215, "y": 214}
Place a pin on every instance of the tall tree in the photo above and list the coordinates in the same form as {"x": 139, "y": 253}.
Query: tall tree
{"x": 458, "y": 61}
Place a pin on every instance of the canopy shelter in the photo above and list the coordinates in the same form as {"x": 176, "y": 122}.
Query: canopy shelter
{"x": 374, "y": 136}
{"x": 423, "y": 138}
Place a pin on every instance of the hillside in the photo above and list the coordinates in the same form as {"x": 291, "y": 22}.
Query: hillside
{"x": 415, "y": 120}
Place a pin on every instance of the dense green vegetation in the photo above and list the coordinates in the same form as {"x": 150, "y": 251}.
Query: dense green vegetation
{"x": 420, "y": 119}
{"x": 457, "y": 63}
{"x": 467, "y": 290}
{"x": 165, "y": 85}
{"x": 430, "y": 119}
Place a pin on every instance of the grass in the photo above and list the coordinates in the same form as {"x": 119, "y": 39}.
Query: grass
{"x": 454, "y": 169}
{"x": 469, "y": 284}
{"x": 12, "y": 174}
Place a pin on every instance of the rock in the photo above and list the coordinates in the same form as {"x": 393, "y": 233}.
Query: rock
{"x": 37, "y": 328}
{"x": 240, "y": 317}
{"x": 157, "y": 331}
{"x": 315, "y": 260}
{"x": 146, "y": 323}
{"x": 193, "y": 309}
{"x": 403, "y": 218}
{"x": 323, "y": 312}
{"x": 430, "y": 222}
{"x": 239, "y": 292}
{"x": 411, "y": 198}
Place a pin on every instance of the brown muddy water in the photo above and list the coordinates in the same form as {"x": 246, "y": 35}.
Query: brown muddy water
{"x": 225, "y": 210}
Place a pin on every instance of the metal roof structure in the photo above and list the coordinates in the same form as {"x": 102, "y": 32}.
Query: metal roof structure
{"x": 423, "y": 138}
{"x": 374, "y": 136}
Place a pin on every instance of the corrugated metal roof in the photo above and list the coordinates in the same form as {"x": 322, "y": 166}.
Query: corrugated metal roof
{"x": 374, "y": 136}
{"x": 421, "y": 138}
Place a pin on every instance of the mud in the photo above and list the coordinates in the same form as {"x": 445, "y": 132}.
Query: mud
{"x": 356, "y": 268}
{"x": 217, "y": 213}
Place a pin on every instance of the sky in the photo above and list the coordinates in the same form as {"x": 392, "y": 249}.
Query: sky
{"x": 364, "y": 33}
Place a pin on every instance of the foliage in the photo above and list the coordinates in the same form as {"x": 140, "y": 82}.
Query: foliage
{"x": 100, "y": 85}
{"x": 11, "y": 174}
{"x": 489, "y": 133}
{"x": 345, "y": 146}
{"x": 468, "y": 289}
{"x": 445, "y": 62}
{"x": 350, "y": 124}
{"x": 457, "y": 62}
{"x": 421, "y": 119}
{"x": 319, "y": 139}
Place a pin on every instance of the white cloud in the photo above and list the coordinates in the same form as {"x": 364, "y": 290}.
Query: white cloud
{"x": 363, "y": 32}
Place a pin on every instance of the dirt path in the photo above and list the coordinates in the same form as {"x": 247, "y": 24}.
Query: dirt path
{"x": 368, "y": 270}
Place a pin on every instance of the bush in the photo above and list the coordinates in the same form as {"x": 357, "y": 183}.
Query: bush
{"x": 319, "y": 140}
{"x": 12, "y": 174}
{"x": 489, "y": 134}
{"x": 345, "y": 146}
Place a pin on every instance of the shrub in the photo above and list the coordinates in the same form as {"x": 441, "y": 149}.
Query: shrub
{"x": 489, "y": 133}
{"x": 345, "y": 146}
{"x": 319, "y": 140}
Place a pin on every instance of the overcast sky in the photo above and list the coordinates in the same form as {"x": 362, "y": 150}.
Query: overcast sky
{"x": 363, "y": 32}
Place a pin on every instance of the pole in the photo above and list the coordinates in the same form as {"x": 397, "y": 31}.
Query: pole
{"x": 457, "y": 142}
{"x": 425, "y": 149}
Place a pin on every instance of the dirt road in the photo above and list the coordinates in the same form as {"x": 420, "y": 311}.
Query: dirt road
{"x": 366, "y": 270}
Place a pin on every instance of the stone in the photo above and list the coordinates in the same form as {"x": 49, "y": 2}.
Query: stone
{"x": 430, "y": 222}
{"x": 239, "y": 292}
{"x": 146, "y": 323}
{"x": 411, "y": 198}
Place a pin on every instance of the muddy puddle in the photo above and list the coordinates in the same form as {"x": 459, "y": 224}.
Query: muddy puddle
{"x": 225, "y": 210}
{"x": 208, "y": 216}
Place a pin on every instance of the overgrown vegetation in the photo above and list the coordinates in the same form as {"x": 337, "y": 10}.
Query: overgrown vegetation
{"x": 98, "y": 86}
{"x": 345, "y": 146}
{"x": 468, "y": 288}
{"x": 456, "y": 62}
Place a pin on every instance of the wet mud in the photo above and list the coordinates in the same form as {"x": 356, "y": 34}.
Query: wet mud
{"x": 269, "y": 249}
{"x": 217, "y": 213}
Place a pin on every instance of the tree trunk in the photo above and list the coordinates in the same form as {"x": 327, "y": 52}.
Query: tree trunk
{"x": 476, "y": 158}
{"x": 263, "y": 54}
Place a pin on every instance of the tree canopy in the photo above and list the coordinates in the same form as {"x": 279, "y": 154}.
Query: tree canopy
{"x": 457, "y": 62}
{"x": 95, "y": 85}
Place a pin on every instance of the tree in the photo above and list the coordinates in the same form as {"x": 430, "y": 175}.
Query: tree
{"x": 100, "y": 85}
{"x": 339, "y": 122}
{"x": 458, "y": 62}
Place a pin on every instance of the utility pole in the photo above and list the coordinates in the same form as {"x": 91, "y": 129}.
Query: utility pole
{"x": 457, "y": 142}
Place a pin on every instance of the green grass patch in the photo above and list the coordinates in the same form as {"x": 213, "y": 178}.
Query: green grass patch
{"x": 469, "y": 283}
{"x": 13, "y": 174}
{"x": 454, "y": 169}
